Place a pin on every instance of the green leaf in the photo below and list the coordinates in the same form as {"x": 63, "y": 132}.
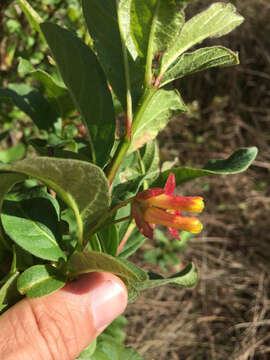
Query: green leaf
{"x": 7, "y": 181}
{"x": 142, "y": 14}
{"x": 154, "y": 25}
{"x": 115, "y": 330}
{"x": 128, "y": 170}
{"x": 58, "y": 95}
{"x": 101, "y": 20}
{"x": 163, "y": 105}
{"x": 8, "y": 291}
{"x": 23, "y": 259}
{"x": 124, "y": 191}
{"x": 109, "y": 239}
{"x": 87, "y": 353}
{"x": 134, "y": 242}
{"x": 82, "y": 263}
{"x": 39, "y": 280}
{"x": 32, "y": 103}
{"x": 85, "y": 79}
{"x": 92, "y": 261}
{"x": 111, "y": 350}
{"x": 150, "y": 159}
{"x": 136, "y": 65}
{"x": 140, "y": 273}
{"x": 44, "y": 149}
{"x": 81, "y": 185}
{"x": 239, "y": 161}
{"x": 110, "y": 343}
{"x": 33, "y": 225}
{"x": 124, "y": 9}
{"x": 198, "y": 60}
{"x": 24, "y": 67}
{"x": 13, "y": 153}
{"x": 218, "y": 20}
{"x": 34, "y": 192}
{"x": 188, "y": 278}
{"x": 32, "y": 16}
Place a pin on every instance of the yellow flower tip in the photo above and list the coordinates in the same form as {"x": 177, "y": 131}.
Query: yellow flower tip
{"x": 197, "y": 205}
{"x": 197, "y": 228}
{"x": 191, "y": 224}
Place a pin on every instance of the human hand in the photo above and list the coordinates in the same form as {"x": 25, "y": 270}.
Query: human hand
{"x": 60, "y": 325}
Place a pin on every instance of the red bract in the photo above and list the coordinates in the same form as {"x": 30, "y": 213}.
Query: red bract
{"x": 160, "y": 206}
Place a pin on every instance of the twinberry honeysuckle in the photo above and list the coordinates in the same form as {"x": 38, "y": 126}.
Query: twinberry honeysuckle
{"x": 158, "y": 206}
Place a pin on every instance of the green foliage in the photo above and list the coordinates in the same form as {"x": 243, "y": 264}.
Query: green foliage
{"x": 58, "y": 95}
{"x": 39, "y": 280}
{"x": 109, "y": 345}
{"x": 33, "y": 225}
{"x": 135, "y": 241}
{"x": 162, "y": 106}
{"x": 101, "y": 20}
{"x": 239, "y": 161}
{"x": 83, "y": 76}
{"x": 12, "y": 154}
{"x": 218, "y": 20}
{"x": 32, "y": 103}
{"x": 81, "y": 185}
{"x": 198, "y": 60}
{"x": 167, "y": 251}
{"x": 8, "y": 290}
{"x": 188, "y": 278}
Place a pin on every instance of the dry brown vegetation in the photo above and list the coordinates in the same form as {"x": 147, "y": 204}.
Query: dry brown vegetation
{"x": 227, "y": 316}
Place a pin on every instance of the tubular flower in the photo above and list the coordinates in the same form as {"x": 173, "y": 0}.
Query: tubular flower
{"x": 159, "y": 206}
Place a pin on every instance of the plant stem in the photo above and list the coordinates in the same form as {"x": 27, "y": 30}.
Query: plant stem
{"x": 129, "y": 217}
{"x": 96, "y": 227}
{"x": 118, "y": 157}
{"x": 125, "y": 237}
{"x": 125, "y": 142}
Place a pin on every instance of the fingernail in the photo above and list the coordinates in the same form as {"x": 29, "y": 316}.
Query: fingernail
{"x": 108, "y": 300}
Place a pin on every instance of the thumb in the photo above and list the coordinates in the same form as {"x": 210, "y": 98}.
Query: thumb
{"x": 60, "y": 325}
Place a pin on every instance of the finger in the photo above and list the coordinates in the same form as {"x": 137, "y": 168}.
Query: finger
{"x": 62, "y": 324}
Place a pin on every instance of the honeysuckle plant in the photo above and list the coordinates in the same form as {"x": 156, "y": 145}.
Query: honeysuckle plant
{"x": 91, "y": 190}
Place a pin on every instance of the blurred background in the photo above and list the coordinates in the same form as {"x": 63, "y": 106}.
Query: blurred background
{"x": 227, "y": 315}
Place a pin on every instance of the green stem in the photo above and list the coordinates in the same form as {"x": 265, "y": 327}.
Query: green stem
{"x": 125, "y": 237}
{"x": 33, "y": 17}
{"x": 129, "y": 217}
{"x": 117, "y": 159}
{"x": 125, "y": 143}
{"x": 97, "y": 226}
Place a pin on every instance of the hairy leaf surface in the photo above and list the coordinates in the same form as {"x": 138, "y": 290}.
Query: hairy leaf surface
{"x": 199, "y": 60}
{"x": 218, "y": 20}
{"x": 239, "y": 161}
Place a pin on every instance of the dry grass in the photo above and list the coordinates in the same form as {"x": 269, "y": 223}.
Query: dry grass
{"x": 227, "y": 316}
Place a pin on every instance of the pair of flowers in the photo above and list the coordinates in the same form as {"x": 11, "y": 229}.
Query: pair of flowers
{"x": 160, "y": 206}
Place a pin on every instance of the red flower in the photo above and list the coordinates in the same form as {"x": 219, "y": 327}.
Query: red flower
{"x": 160, "y": 206}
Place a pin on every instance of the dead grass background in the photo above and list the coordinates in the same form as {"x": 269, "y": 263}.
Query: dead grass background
{"x": 227, "y": 316}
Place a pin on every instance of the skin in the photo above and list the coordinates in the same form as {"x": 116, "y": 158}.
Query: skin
{"x": 60, "y": 325}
